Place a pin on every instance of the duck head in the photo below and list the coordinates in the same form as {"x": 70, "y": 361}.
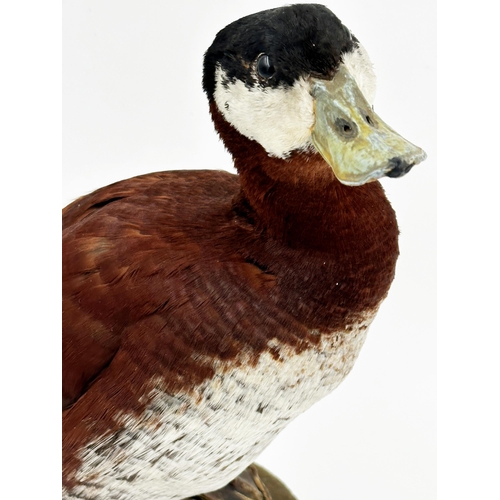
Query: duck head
{"x": 295, "y": 79}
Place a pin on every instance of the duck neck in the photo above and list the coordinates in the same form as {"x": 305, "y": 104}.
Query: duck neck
{"x": 299, "y": 202}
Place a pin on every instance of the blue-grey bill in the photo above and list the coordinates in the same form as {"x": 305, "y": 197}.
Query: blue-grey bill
{"x": 352, "y": 138}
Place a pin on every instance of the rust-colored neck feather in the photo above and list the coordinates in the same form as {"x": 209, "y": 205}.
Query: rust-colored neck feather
{"x": 299, "y": 202}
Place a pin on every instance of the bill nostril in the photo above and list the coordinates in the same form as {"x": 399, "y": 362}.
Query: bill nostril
{"x": 398, "y": 167}
{"x": 370, "y": 120}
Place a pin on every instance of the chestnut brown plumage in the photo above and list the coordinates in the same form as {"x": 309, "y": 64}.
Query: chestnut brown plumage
{"x": 165, "y": 264}
{"x": 169, "y": 276}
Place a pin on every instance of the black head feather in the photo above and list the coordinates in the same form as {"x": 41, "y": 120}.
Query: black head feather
{"x": 300, "y": 40}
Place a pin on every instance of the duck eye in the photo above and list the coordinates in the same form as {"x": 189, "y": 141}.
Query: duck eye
{"x": 264, "y": 67}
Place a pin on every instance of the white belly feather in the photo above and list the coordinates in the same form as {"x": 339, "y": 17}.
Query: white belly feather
{"x": 190, "y": 444}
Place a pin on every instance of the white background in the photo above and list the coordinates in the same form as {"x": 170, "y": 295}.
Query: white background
{"x": 133, "y": 103}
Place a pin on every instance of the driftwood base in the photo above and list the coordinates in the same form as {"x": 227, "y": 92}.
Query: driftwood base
{"x": 254, "y": 483}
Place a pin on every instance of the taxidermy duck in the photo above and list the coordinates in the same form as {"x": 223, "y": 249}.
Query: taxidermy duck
{"x": 203, "y": 311}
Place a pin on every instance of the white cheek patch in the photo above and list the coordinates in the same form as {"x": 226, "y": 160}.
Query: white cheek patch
{"x": 360, "y": 67}
{"x": 279, "y": 119}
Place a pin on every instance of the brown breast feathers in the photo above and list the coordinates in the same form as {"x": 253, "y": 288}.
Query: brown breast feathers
{"x": 165, "y": 272}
